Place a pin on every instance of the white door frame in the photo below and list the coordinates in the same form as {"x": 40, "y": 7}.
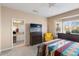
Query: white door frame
{"x": 12, "y": 31}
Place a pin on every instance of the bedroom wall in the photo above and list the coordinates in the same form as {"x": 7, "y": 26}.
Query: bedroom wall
{"x": 0, "y": 28}
{"x": 51, "y": 20}
{"x": 7, "y": 15}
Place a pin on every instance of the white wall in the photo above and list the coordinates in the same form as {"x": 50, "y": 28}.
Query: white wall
{"x": 7, "y": 16}
{"x": 0, "y": 28}
{"x": 21, "y": 28}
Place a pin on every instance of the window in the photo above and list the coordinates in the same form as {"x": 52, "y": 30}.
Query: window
{"x": 71, "y": 27}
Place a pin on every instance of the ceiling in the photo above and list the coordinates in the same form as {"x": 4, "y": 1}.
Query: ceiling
{"x": 43, "y": 9}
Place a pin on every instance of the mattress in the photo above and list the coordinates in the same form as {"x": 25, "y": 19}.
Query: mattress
{"x": 62, "y": 47}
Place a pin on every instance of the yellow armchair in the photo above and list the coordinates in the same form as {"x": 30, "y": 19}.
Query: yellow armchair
{"x": 48, "y": 36}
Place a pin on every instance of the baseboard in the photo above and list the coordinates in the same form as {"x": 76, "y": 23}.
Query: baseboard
{"x": 6, "y": 49}
{"x": 0, "y": 51}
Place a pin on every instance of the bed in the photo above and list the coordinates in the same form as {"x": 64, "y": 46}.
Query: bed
{"x": 64, "y": 45}
{"x": 60, "y": 47}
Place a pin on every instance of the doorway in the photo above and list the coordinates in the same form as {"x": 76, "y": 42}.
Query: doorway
{"x": 18, "y": 32}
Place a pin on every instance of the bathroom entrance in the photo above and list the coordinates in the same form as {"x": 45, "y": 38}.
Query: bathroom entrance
{"x": 18, "y": 32}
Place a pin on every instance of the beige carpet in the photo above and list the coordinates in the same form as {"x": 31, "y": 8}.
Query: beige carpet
{"x": 21, "y": 50}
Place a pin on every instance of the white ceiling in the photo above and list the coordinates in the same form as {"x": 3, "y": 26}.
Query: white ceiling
{"x": 43, "y": 9}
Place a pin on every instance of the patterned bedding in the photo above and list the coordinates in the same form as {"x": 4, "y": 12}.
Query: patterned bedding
{"x": 63, "y": 47}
